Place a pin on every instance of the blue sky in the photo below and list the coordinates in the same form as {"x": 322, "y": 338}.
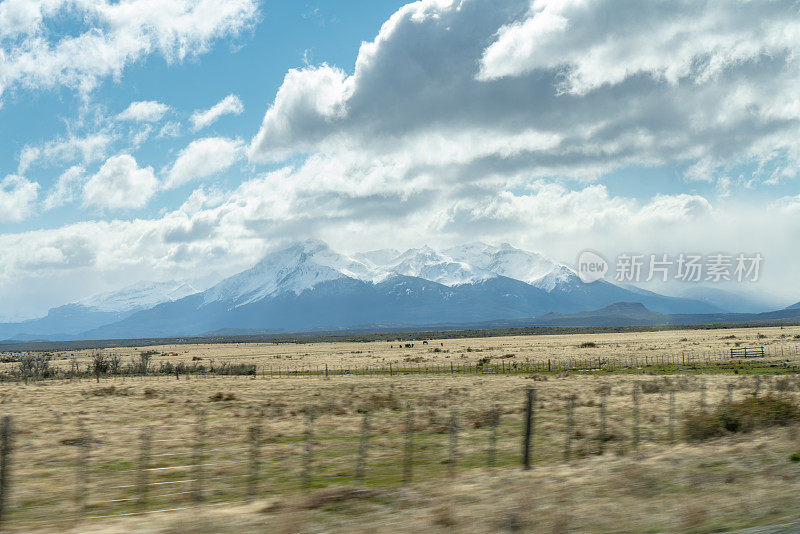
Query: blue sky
{"x": 251, "y": 66}
{"x": 657, "y": 130}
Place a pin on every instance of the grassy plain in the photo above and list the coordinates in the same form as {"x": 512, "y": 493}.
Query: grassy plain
{"x": 712, "y": 343}
{"x": 733, "y": 482}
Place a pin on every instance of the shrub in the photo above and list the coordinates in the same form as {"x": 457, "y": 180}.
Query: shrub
{"x": 37, "y": 365}
{"x": 743, "y": 416}
{"x": 100, "y": 364}
{"x": 220, "y": 396}
{"x": 482, "y": 418}
{"x": 588, "y": 345}
{"x": 654, "y": 386}
{"x": 484, "y": 361}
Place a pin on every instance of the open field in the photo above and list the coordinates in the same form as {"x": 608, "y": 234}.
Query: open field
{"x": 55, "y": 420}
{"x": 695, "y": 344}
{"x": 383, "y": 453}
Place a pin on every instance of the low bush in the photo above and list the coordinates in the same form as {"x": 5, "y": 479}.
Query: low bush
{"x": 742, "y": 416}
{"x": 588, "y": 345}
{"x": 220, "y": 396}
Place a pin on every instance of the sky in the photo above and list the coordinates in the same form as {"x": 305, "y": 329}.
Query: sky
{"x": 183, "y": 139}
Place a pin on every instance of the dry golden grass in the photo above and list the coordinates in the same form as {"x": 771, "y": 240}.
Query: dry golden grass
{"x": 610, "y": 346}
{"x": 665, "y": 486}
{"x": 47, "y": 416}
{"x": 717, "y": 487}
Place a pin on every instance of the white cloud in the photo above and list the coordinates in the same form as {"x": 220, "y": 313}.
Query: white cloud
{"x": 661, "y": 85}
{"x": 66, "y": 187}
{"x": 115, "y": 35}
{"x": 203, "y": 158}
{"x": 415, "y": 146}
{"x": 87, "y": 149}
{"x": 17, "y": 196}
{"x": 119, "y": 184}
{"x": 145, "y": 111}
{"x": 203, "y": 118}
{"x": 671, "y": 41}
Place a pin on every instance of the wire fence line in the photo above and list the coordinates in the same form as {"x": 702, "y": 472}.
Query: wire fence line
{"x": 103, "y": 366}
{"x": 124, "y": 471}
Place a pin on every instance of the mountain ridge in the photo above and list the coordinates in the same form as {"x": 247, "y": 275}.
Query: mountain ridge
{"x": 307, "y": 285}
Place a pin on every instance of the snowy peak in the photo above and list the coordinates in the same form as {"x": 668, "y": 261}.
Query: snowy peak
{"x": 505, "y": 260}
{"x": 296, "y": 268}
{"x": 305, "y": 264}
{"x": 430, "y": 265}
{"x": 140, "y": 296}
{"x": 562, "y": 277}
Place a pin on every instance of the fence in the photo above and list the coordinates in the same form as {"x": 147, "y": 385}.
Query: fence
{"x": 35, "y": 368}
{"x": 747, "y": 352}
{"x": 182, "y": 462}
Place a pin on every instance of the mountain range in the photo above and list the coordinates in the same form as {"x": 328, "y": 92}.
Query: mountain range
{"x": 307, "y": 286}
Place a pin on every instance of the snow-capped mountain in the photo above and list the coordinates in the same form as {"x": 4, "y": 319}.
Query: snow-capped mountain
{"x": 434, "y": 266}
{"x": 96, "y": 310}
{"x": 307, "y": 285}
{"x": 505, "y": 260}
{"x": 294, "y": 269}
{"x": 140, "y": 296}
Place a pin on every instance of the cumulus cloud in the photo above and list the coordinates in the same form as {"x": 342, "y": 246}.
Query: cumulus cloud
{"x": 17, "y": 196}
{"x": 145, "y": 111}
{"x": 444, "y": 132}
{"x": 671, "y": 41}
{"x": 120, "y": 184}
{"x": 113, "y": 35}
{"x": 666, "y": 84}
{"x": 202, "y": 158}
{"x": 228, "y": 105}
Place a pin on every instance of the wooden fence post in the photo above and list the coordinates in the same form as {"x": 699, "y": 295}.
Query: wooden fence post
{"x": 603, "y": 404}
{"x": 84, "y": 443}
{"x": 362, "y": 449}
{"x": 308, "y": 453}
{"x": 255, "y": 453}
{"x": 143, "y": 478}
{"x": 529, "y": 427}
{"x": 5, "y": 465}
{"x": 453, "y": 456}
{"x": 636, "y": 420}
{"x": 199, "y": 446}
{"x": 494, "y": 422}
{"x": 408, "y": 452}
{"x": 703, "y": 393}
{"x": 672, "y": 415}
{"x": 570, "y": 428}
